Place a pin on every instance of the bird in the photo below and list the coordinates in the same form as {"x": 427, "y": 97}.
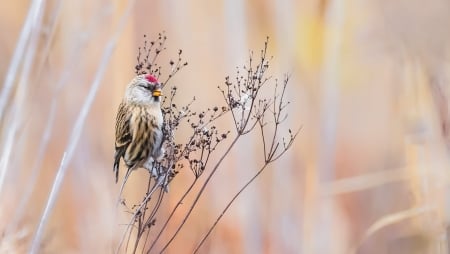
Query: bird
{"x": 139, "y": 122}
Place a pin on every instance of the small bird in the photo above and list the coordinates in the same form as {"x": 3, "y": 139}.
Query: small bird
{"x": 139, "y": 123}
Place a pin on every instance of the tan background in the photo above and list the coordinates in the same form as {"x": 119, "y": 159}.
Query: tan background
{"x": 369, "y": 86}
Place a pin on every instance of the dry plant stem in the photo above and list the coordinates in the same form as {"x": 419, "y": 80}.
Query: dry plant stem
{"x": 202, "y": 241}
{"x": 200, "y": 193}
{"x": 172, "y": 213}
{"x": 27, "y": 44}
{"x": 49, "y": 126}
{"x": 388, "y": 220}
{"x": 270, "y": 155}
{"x": 50, "y": 203}
{"x": 147, "y": 63}
{"x": 247, "y": 109}
{"x": 22, "y": 86}
{"x": 7, "y": 151}
{"x": 148, "y": 189}
{"x": 150, "y": 220}
{"x": 189, "y": 188}
{"x": 237, "y": 96}
{"x": 78, "y": 127}
{"x": 29, "y": 186}
{"x": 141, "y": 211}
{"x": 73, "y": 141}
{"x": 34, "y": 14}
{"x": 186, "y": 150}
{"x": 54, "y": 20}
{"x": 235, "y": 197}
{"x": 330, "y": 78}
{"x": 43, "y": 144}
{"x": 141, "y": 225}
{"x": 122, "y": 186}
{"x": 137, "y": 213}
{"x": 204, "y": 157}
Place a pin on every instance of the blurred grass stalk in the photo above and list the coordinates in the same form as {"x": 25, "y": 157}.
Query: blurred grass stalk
{"x": 321, "y": 212}
{"x": 78, "y": 127}
{"x": 26, "y": 46}
{"x": 12, "y": 114}
{"x": 15, "y": 113}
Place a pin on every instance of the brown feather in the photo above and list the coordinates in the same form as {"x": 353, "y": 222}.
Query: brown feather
{"x": 138, "y": 135}
{"x": 123, "y": 135}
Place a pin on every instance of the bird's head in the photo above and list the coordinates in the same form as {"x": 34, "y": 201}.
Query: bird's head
{"x": 144, "y": 89}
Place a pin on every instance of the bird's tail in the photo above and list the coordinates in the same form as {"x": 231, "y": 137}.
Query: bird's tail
{"x": 116, "y": 164}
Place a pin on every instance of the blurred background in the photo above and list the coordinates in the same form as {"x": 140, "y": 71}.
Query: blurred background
{"x": 368, "y": 173}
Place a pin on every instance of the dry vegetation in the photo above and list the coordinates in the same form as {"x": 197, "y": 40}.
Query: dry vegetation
{"x": 245, "y": 107}
{"x": 369, "y": 172}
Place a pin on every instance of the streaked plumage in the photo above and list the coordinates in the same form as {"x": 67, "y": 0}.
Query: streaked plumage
{"x": 138, "y": 125}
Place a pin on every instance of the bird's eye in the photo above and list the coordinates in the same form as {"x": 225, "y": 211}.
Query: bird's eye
{"x": 145, "y": 86}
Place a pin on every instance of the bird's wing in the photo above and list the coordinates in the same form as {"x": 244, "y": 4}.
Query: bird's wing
{"x": 146, "y": 136}
{"x": 142, "y": 132}
{"x": 123, "y": 135}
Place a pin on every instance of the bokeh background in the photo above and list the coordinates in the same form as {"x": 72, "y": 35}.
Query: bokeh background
{"x": 368, "y": 173}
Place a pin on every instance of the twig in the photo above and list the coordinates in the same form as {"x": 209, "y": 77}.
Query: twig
{"x": 200, "y": 193}
{"x": 248, "y": 110}
{"x": 270, "y": 155}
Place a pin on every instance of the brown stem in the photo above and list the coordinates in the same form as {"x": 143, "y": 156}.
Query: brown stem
{"x": 200, "y": 193}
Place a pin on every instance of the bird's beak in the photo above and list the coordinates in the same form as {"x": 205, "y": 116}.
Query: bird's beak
{"x": 157, "y": 92}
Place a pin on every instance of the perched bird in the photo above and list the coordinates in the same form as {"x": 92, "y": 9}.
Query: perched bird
{"x": 139, "y": 123}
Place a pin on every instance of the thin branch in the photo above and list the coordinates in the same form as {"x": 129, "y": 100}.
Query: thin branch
{"x": 202, "y": 241}
{"x": 137, "y": 213}
{"x": 247, "y": 111}
{"x": 200, "y": 193}
{"x": 172, "y": 213}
